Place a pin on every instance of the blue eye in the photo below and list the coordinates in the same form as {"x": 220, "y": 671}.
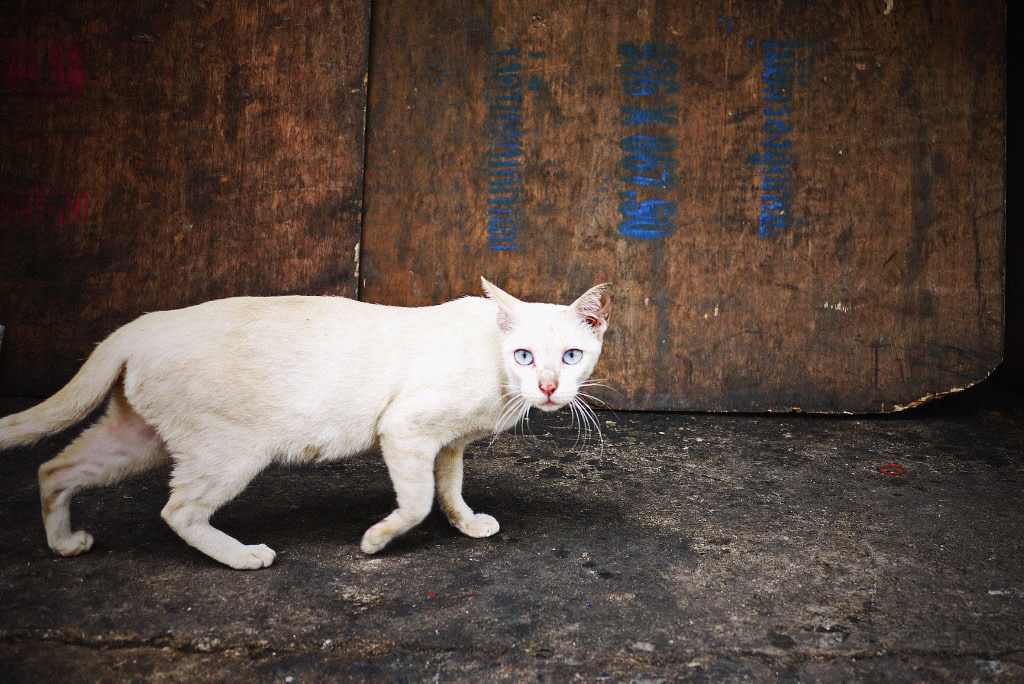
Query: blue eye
{"x": 523, "y": 357}
{"x": 572, "y": 357}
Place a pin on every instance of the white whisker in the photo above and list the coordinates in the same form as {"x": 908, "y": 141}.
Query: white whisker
{"x": 509, "y": 416}
{"x": 598, "y": 400}
{"x": 589, "y": 418}
{"x": 598, "y": 383}
{"x": 580, "y": 424}
{"x": 524, "y": 420}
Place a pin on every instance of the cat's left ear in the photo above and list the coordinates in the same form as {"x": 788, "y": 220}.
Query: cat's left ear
{"x": 507, "y": 304}
{"x": 593, "y": 307}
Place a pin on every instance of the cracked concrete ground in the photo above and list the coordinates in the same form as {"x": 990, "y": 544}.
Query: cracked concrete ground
{"x": 691, "y": 548}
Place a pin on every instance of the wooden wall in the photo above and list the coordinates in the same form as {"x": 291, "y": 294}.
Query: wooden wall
{"x": 800, "y": 204}
{"x": 160, "y": 154}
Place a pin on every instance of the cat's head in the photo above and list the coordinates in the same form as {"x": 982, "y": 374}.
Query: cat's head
{"x": 550, "y": 350}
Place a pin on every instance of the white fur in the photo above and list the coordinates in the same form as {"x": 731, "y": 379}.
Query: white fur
{"x": 227, "y": 387}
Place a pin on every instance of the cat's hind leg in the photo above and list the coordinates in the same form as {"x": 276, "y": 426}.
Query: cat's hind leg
{"x": 411, "y": 467}
{"x": 448, "y": 472}
{"x": 201, "y": 485}
{"x": 119, "y": 445}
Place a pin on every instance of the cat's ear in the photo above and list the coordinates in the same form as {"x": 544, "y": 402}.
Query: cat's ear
{"x": 593, "y": 307}
{"x": 507, "y": 304}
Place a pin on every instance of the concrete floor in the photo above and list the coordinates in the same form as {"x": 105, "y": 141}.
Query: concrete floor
{"x": 691, "y": 548}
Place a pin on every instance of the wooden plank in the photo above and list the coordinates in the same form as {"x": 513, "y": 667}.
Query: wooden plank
{"x": 801, "y": 205}
{"x": 155, "y": 155}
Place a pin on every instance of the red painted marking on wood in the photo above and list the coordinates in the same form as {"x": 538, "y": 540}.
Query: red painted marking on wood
{"x": 30, "y": 68}
{"x": 67, "y": 62}
{"x": 43, "y": 205}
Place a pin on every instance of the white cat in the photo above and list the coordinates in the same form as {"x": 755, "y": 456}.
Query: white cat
{"x": 227, "y": 387}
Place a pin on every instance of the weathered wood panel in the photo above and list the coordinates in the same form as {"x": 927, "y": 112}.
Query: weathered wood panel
{"x": 801, "y": 204}
{"x": 155, "y": 155}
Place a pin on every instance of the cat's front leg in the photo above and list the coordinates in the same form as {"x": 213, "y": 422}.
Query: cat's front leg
{"x": 410, "y": 464}
{"x": 448, "y": 471}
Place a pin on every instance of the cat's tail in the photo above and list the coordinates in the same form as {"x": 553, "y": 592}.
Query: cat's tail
{"x": 73, "y": 402}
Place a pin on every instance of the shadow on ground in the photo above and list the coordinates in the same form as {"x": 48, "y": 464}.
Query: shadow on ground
{"x": 688, "y": 548}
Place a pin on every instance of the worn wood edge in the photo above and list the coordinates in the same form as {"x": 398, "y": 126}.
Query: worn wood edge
{"x": 884, "y": 411}
{"x": 932, "y": 396}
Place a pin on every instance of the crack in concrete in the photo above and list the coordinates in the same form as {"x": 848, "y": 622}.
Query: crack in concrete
{"x": 357, "y": 648}
{"x": 361, "y": 649}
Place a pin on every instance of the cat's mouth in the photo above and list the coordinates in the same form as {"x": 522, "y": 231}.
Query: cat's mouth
{"x": 550, "y": 405}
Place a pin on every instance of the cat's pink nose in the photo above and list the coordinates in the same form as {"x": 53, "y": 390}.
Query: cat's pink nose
{"x": 548, "y": 388}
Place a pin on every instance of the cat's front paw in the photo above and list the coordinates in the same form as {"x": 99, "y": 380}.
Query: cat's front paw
{"x": 73, "y": 544}
{"x": 375, "y": 538}
{"x": 253, "y": 557}
{"x": 479, "y": 526}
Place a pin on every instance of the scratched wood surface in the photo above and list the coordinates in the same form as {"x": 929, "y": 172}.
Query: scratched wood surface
{"x": 801, "y": 205}
{"x": 155, "y": 155}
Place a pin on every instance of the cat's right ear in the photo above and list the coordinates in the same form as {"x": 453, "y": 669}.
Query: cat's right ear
{"x": 593, "y": 306}
{"x": 507, "y": 304}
